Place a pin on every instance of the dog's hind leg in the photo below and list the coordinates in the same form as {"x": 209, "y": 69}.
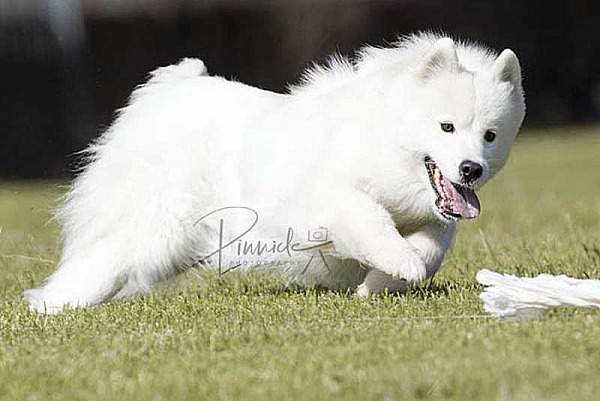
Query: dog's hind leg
{"x": 116, "y": 266}
{"x": 88, "y": 276}
{"x": 116, "y": 248}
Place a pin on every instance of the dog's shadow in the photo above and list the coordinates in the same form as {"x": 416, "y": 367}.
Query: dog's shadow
{"x": 261, "y": 284}
{"x": 430, "y": 288}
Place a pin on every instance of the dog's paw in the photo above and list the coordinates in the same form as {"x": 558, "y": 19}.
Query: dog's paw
{"x": 42, "y": 302}
{"x": 413, "y": 270}
{"x": 378, "y": 282}
{"x": 363, "y": 290}
{"x": 407, "y": 267}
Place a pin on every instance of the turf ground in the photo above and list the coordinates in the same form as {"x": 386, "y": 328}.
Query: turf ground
{"x": 250, "y": 338}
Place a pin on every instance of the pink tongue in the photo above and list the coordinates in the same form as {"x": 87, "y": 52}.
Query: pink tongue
{"x": 460, "y": 200}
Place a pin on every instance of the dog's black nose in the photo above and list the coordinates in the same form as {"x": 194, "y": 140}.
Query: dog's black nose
{"x": 470, "y": 171}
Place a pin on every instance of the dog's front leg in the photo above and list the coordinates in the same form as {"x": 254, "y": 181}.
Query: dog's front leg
{"x": 432, "y": 243}
{"x": 364, "y": 231}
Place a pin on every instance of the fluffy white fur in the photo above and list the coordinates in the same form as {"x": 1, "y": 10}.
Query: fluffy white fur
{"x": 344, "y": 152}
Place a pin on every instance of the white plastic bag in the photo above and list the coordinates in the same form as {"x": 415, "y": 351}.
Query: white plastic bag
{"x": 511, "y": 297}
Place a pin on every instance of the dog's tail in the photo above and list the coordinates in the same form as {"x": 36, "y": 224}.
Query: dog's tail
{"x": 186, "y": 68}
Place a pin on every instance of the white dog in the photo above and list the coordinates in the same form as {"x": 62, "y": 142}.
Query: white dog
{"x": 355, "y": 179}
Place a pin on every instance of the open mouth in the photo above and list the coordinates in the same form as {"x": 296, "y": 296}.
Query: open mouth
{"x": 454, "y": 201}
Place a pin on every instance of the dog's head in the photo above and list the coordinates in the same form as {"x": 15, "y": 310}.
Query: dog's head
{"x": 465, "y": 107}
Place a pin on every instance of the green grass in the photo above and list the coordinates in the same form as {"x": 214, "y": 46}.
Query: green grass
{"x": 248, "y": 337}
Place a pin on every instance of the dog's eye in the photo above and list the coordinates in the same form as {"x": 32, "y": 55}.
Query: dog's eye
{"x": 447, "y": 127}
{"x": 489, "y": 136}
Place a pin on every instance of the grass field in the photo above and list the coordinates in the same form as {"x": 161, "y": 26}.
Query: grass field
{"x": 250, "y": 338}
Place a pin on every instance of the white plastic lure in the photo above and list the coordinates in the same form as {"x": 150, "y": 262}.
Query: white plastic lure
{"x": 511, "y": 297}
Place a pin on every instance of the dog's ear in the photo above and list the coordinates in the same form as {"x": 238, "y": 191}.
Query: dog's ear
{"x": 506, "y": 68}
{"x": 441, "y": 58}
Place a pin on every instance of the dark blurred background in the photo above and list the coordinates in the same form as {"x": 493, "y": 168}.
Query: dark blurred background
{"x": 66, "y": 65}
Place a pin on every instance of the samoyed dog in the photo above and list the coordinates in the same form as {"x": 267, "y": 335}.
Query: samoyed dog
{"x": 354, "y": 179}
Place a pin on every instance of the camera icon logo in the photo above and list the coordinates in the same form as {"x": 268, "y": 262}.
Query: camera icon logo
{"x": 321, "y": 234}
